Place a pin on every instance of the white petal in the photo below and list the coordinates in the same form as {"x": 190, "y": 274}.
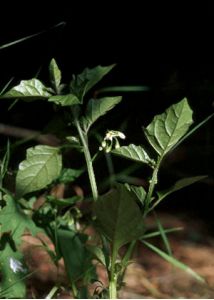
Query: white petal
{"x": 16, "y": 265}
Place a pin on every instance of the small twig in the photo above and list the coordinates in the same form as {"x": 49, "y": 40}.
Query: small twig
{"x": 47, "y": 139}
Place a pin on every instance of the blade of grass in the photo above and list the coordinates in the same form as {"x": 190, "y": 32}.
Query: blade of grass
{"x": 6, "y": 86}
{"x": 13, "y": 104}
{"x": 174, "y": 261}
{"x": 192, "y": 131}
{"x": 124, "y": 89}
{"x": 3, "y": 293}
{"x": 4, "y": 166}
{"x": 163, "y": 235}
{"x": 5, "y": 162}
{"x": 157, "y": 233}
{"x": 52, "y": 292}
{"x": 61, "y": 24}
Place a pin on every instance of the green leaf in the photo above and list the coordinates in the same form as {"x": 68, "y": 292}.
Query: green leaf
{"x": 55, "y": 74}
{"x": 42, "y": 165}
{"x": 83, "y": 82}
{"x": 174, "y": 261}
{"x": 64, "y": 100}
{"x": 97, "y": 253}
{"x": 74, "y": 142}
{"x": 106, "y": 250}
{"x": 168, "y": 128}
{"x": 69, "y": 175}
{"x": 97, "y": 108}
{"x": 119, "y": 216}
{"x": 13, "y": 220}
{"x": 134, "y": 152}
{"x": 29, "y": 90}
{"x": 61, "y": 202}
{"x": 139, "y": 192}
{"x": 13, "y": 223}
{"x": 12, "y": 283}
{"x": 180, "y": 184}
{"x": 76, "y": 256}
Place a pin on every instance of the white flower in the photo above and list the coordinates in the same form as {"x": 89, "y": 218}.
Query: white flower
{"x": 109, "y": 136}
{"x": 16, "y": 265}
{"x": 114, "y": 134}
{"x": 121, "y": 135}
{"x": 111, "y": 139}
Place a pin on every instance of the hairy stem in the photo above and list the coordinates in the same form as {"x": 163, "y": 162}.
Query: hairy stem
{"x": 88, "y": 160}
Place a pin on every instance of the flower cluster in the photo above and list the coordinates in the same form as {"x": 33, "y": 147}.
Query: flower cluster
{"x": 111, "y": 140}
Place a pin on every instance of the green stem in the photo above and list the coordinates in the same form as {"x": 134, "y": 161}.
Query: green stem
{"x": 88, "y": 159}
{"x": 152, "y": 184}
{"x": 74, "y": 290}
{"x": 113, "y": 275}
{"x": 110, "y": 166}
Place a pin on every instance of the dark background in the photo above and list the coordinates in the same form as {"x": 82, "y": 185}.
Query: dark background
{"x": 167, "y": 48}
